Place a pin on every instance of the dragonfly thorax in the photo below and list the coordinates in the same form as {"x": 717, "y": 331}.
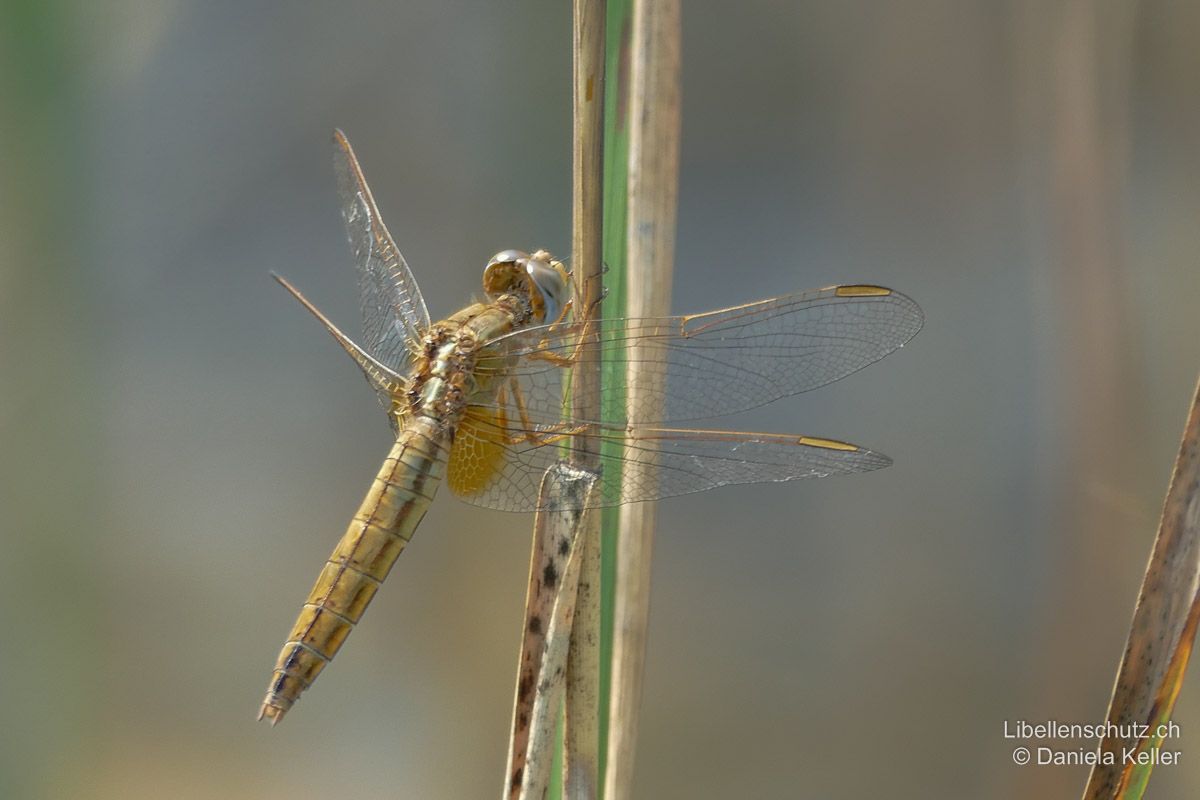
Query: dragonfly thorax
{"x": 444, "y": 380}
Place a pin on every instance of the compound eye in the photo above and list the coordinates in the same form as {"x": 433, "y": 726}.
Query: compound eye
{"x": 551, "y": 284}
{"x": 508, "y": 257}
{"x": 504, "y": 272}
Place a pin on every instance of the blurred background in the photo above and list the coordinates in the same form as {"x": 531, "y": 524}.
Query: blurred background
{"x": 181, "y": 445}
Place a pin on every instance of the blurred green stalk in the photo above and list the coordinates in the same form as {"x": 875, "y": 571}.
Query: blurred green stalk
{"x": 616, "y": 180}
{"x": 48, "y": 496}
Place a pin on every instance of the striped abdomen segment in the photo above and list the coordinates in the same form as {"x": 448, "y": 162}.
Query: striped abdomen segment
{"x": 377, "y": 534}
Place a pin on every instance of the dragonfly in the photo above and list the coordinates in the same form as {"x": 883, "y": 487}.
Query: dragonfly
{"x": 477, "y": 401}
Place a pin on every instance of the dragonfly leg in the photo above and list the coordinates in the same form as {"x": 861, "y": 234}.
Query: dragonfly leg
{"x": 555, "y": 433}
{"x": 562, "y": 315}
{"x": 555, "y": 358}
{"x": 573, "y": 358}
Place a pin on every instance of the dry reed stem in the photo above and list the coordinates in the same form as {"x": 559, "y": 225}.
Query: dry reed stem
{"x": 550, "y": 605}
{"x": 581, "y": 718}
{"x": 1164, "y": 625}
{"x": 653, "y": 168}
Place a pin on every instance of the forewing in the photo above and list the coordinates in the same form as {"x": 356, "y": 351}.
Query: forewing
{"x": 708, "y": 365}
{"x": 660, "y": 462}
{"x": 393, "y": 311}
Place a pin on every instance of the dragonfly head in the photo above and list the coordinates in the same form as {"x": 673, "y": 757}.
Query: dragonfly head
{"x": 539, "y": 276}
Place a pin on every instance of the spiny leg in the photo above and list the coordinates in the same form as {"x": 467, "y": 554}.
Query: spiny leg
{"x": 551, "y": 435}
{"x": 570, "y": 360}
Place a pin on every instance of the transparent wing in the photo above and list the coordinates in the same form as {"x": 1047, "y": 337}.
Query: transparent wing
{"x": 708, "y": 365}
{"x": 394, "y": 313}
{"x": 661, "y": 462}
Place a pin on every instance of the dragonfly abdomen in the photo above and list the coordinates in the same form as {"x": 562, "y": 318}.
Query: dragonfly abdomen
{"x": 378, "y": 533}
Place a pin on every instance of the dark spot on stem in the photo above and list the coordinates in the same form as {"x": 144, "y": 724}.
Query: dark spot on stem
{"x": 535, "y": 624}
{"x": 549, "y": 575}
{"x": 524, "y": 687}
{"x": 564, "y": 546}
{"x": 516, "y": 780}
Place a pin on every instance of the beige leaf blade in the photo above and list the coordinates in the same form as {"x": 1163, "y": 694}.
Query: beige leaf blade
{"x": 1161, "y": 635}
{"x": 550, "y": 604}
